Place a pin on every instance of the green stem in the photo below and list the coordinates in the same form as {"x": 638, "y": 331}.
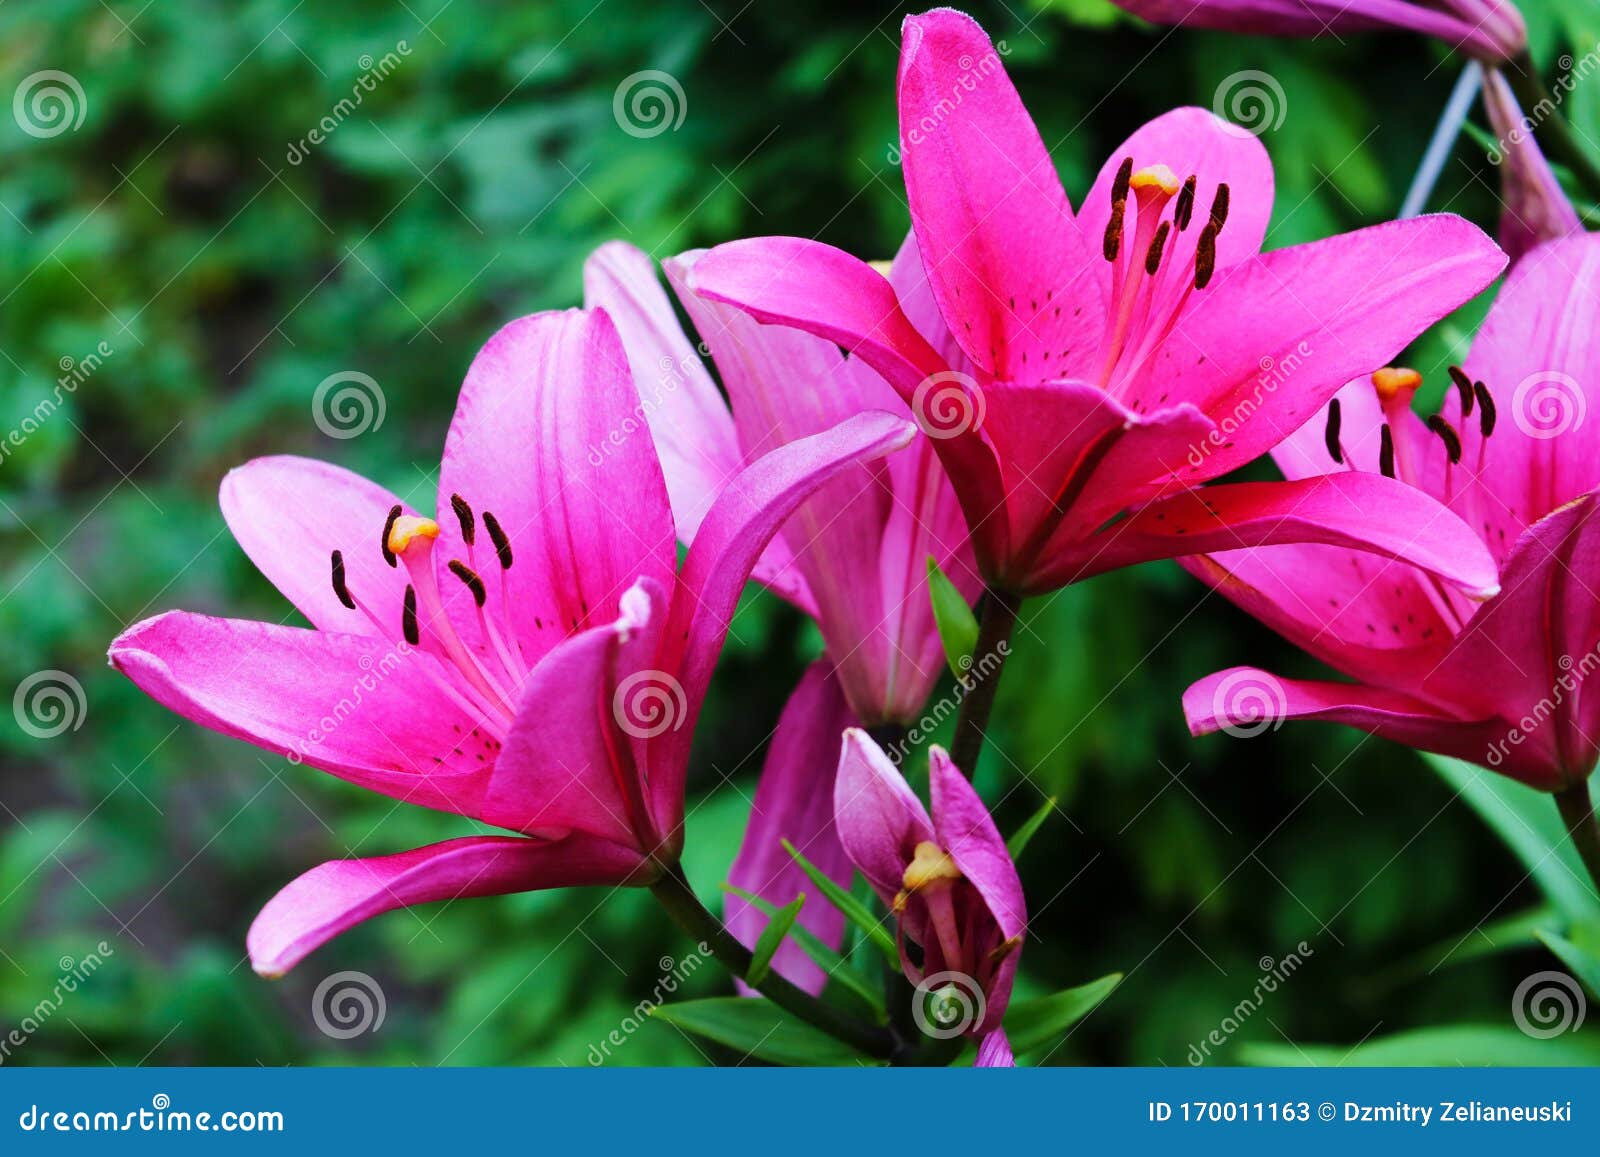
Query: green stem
{"x": 1577, "y": 816}
{"x": 997, "y": 618}
{"x": 1559, "y": 139}
{"x": 677, "y": 897}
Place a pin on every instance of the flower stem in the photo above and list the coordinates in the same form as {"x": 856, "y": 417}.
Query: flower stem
{"x": 1577, "y": 816}
{"x": 1552, "y": 127}
{"x": 997, "y": 618}
{"x": 677, "y": 897}
{"x": 1443, "y": 140}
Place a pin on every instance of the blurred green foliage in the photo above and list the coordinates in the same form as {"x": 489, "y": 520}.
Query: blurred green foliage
{"x": 227, "y": 282}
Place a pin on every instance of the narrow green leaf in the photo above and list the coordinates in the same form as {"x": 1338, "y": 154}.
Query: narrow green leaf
{"x": 1019, "y": 839}
{"x": 831, "y": 962}
{"x": 1529, "y": 824}
{"x": 770, "y": 939}
{"x": 758, "y": 1028}
{"x": 1472, "y": 1045}
{"x": 1584, "y": 963}
{"x": 854, "y": 910}
{"x": 1519, "y": 930}
{"x": 1032, "y": 1023}
{"x": 958, "y": 626}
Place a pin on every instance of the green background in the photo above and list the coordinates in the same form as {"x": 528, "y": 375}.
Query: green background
{"x": 467, "y": 189}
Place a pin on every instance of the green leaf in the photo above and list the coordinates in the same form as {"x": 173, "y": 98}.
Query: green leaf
{"x": 1584, "y": 963}
{"x": 1472, "y": 1045}
{"x": 830, "y": 961}
{"x": 770, "y": 939}
{"x": 958, "y": 626}
{"x": 1529, "y": 824}
{"x": 854, "y": 910}
{"x": 758, "y": 1028}
{"x": 1519, "y": 930}
{"x": 1032, "y": 1023}
{"x": 1019, "y": 839}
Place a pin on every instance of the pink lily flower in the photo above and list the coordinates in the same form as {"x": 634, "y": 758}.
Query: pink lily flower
{"x": 1110, "y": 361}
{"x": 960, "y": 915}
{"x": 1492, "y": 30}
{"x": 1500, "y": 684}
{"x": 534, "y": 660}
{"x": 1537, "y": 208}
{"x": 853, "y": 557}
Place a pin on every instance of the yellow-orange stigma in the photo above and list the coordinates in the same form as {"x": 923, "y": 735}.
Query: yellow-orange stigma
{"x": 408, "y": 530}
{"x": 1158, "y": 177}
{"x": 1392, "y": 380}
{"x": 930, "y": 865}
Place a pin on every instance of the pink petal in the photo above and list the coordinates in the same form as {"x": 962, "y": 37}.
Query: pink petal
{"x": 1539, "y": 354}
{"x": 340, "y": 894}
{"x": 1194, "y": 142}
{"x": 965, "y": 829}
{"x": 879, "y": 818}
{"x": 290, "y": 514}
{"x": 1364, "y": 511}
{"x": 1013, "y": 277}
{"x": 546, "y": 438}
{"x": 994, "y": 1052}
{"x": 689, "y": 421}
{"x": 749, "y": 511}
{"x": 577, "y": 749}
{"x": 1250, "y": 701}
{"x": 794, "y": 802}
{"x": 1274, "y": 337}
{"x": 366, "y": 710}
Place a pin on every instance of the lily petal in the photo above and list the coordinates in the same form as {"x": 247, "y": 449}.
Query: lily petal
{"x": 1005, "y": 258}
{"x": 1274, "y": 337}
{"x": 1335, "y": 509}
{"x": 994, "y": 1052}
{"x": 545, "y": 437}
{"x": 689, "y": 421}
{"x": 340, "y": 894}
{"x": 794, "y": 802}
{"x": 748, "y": 512}
{"x": 366, "y": 710}
{"x": 880, "y": 819}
